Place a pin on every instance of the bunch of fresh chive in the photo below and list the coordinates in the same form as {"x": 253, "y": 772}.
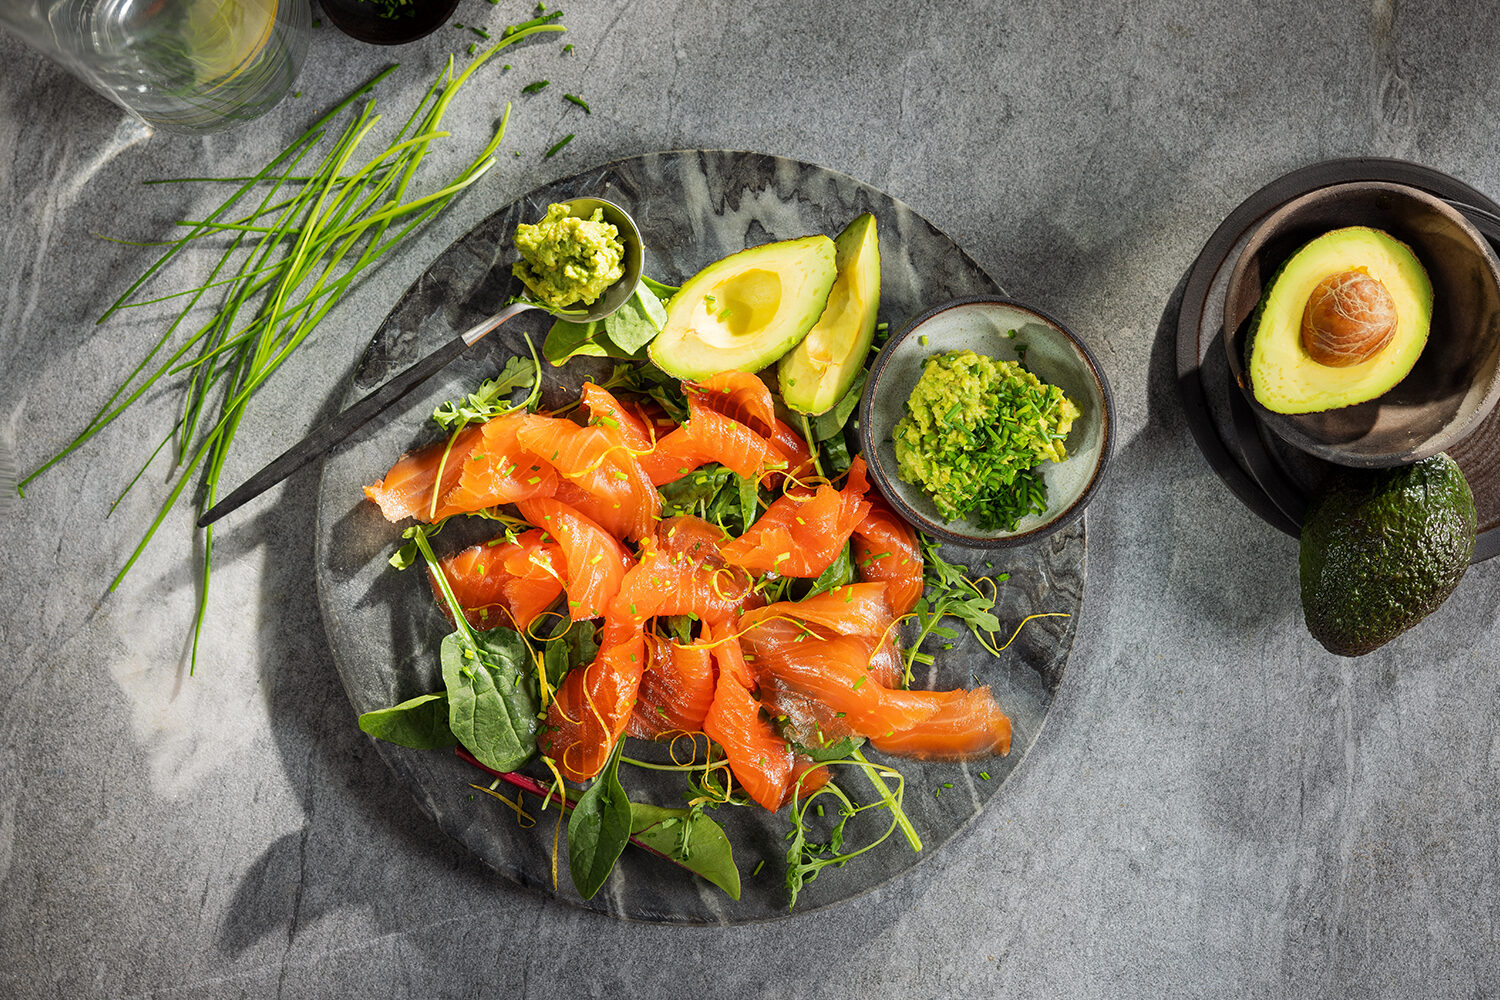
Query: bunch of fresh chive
{"x": 297, "y": 240}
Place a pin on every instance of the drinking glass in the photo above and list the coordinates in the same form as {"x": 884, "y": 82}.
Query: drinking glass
{"x": 180, "y": 65}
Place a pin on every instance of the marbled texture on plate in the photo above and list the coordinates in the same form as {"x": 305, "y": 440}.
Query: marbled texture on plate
{"x": 692, "y": 207}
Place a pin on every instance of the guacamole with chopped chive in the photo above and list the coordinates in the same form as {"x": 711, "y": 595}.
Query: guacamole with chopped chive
{"x": 567, "y": 261}
{"x": 975, "y": 433}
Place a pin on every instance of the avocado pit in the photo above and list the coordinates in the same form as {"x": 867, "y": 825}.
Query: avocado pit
{"x": 1350, "y": 317}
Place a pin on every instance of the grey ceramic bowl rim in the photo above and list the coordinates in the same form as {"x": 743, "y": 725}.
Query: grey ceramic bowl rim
{"x": 892, "y": 495}
{"x": 1282, "y": 425}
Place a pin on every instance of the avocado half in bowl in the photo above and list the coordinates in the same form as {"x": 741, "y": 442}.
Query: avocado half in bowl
{"x": 1362, "y": 322}
{"x": 999, "y": 331}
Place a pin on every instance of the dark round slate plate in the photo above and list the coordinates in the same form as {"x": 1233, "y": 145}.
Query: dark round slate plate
{"x": 1269, "y": 476}
{"x": 692, "y": 208}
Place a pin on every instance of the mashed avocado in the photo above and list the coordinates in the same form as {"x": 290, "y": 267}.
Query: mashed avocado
{"x": 567, "y": 261}
{"x": 975, "y": 431}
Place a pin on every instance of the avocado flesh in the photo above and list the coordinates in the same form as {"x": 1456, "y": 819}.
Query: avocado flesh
{"x": 1283, "y": 376}
{"x": 1382, "y": 551}
{"x": 816, "y": 373}
{"x": 743, "y": 312}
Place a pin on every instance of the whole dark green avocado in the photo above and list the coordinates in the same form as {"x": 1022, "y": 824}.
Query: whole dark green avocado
{"x": 1381, "y": 551}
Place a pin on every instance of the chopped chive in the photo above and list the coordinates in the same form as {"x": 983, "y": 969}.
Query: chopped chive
{"x": 558, "y": 146}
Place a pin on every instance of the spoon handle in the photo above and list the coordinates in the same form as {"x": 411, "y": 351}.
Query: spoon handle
{"x": 347, "y": 422}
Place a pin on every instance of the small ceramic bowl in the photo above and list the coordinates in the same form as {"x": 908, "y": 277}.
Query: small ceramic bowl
{"x": 982, "y": 325}
{"x": 362, "y": 19}
{"x": 1454, "y": 384}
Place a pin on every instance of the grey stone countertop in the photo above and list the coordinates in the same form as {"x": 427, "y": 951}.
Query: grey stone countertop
{"x": 1217, "y": 806}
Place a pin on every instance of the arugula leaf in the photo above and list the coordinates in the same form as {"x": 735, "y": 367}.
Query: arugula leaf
{"x": 492, "y": 399}
{"x": 839, "y": 749}
{"x": 420, "y": 723}
{"x": 653, "y": 383}
{"x": 599, "y": 828}
{"x": 637, "y": 322}
{"x": 949, "y": 592}
{"x": 689, "y": 838}
{"x": 490, "y": 709}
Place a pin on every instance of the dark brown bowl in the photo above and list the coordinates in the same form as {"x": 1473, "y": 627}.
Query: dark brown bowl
{"x": 362, "y": 20}
{"x": 1454, "y": 384}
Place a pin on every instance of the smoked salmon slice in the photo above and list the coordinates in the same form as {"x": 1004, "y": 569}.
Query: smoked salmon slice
{"x": 626, "y": 425}
{"x": 407, "y": 489}
{"x": 593, "y": 562}
{"x": 593, "y": 703}
{"x": 507, "y": 584}
{"x": 853, "y": 609}
{"x": 626, "y": 504}
{"x": 801, "y": 536}
{"x": 885, "y": 549}
{"x": 499, "y": 470}
{"x": 834, "y": 674}
{"x": 676, "y": 689}
{"x": 791, "y": 452}
{"x": 760, "y": 759}
{"x": 740, "y": 396}
{"x": 708, "y": 436}
{"x": 670, "y": 582}
{"x": 971, "y": 725}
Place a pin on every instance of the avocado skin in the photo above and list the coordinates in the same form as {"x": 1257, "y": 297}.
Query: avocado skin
{"x": 1381, "y": 551}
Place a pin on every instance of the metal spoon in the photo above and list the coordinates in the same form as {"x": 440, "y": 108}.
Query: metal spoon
{"x": 350, "y": 420}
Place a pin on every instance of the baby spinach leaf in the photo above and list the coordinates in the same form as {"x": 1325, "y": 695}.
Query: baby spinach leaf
{"x": 749, "y": 498}
{"x": 637, "y": 322}
{"x": 689, "y": 838}
{"x": 661, "y": 291}
{"x": 570, "y": 645}
{"x": 490, "y": 709}
{"x": 569, "y": 340}
{"x": 420, "y": 723}
{"x": 835, "y": 458}
{"x": 682, "y": 496}
{"x": 826, "y": 425}
{"x": 838, "y": 573}
{"x": 599, "y": 829}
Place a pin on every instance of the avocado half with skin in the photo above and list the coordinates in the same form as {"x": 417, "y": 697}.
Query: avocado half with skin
{"x": 815, "y": 374}
{"x": 1382, "y": 550}
{"x": 745, "y": 311}
{"x": 1286, "y": 375}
